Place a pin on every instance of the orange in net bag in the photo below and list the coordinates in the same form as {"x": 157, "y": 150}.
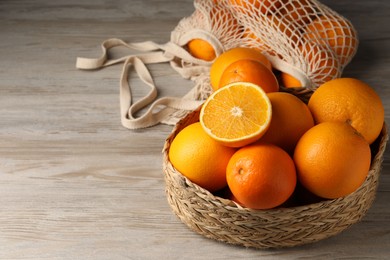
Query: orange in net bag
{"x": 302, "y": 38}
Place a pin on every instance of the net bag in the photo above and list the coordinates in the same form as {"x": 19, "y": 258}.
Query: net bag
{"x": 302, "y": 38}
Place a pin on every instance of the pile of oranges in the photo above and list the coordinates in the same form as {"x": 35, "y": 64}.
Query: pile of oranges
{"x": 264, "y": 148}
{"x": 260, "y": 147}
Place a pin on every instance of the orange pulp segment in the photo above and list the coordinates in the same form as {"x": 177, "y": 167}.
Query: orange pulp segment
{"x": 237, "y": 114}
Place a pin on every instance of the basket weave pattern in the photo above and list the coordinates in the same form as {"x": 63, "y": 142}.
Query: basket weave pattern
{"x": 224, "y": 220}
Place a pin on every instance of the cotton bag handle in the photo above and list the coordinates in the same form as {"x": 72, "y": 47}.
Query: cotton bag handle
{"x": 151, "y": 53}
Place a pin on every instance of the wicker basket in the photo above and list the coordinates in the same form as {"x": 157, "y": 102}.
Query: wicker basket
{"x": 224, "y": 220}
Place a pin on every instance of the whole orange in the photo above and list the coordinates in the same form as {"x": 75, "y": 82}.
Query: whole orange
{"x": 261, "y": 176}
{"x": 250, "y": 71}
{"x": 198, "y": 157}
{"x": 228, "y": 57}
{"x": 289, "y": 81}
{"x": 332, "y": 159}
{"x": 338, "y": 33}
{"x": 201, "y": 49}
{"x": 291, "y": 118}
{"x": 221, "y": 18}
{"x": 352, "y": 101}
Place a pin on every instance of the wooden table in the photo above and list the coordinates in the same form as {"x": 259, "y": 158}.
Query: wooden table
{"x": 75, "y": 184}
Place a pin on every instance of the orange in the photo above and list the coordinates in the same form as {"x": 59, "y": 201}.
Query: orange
{"x": 237, "y": 114}
{"x": 199, "y": 158}
{"x": 352, "y": 101}
{"x": 250, "y": 71}
{"x": 201, "y": 49}
{"x": 337, "y": 33}
{"x": 221, "y": 18}
{"x": 332, "y": 159}
{"x": 250, "y": 6}
{"x": 322, "y": 63}
{"x": 289, "y": 81}
{"x": 261, "y": 176}
{"x": 298, "y": 11}
{"x": 291, "y": 118}
{"x": 225, "y": 59}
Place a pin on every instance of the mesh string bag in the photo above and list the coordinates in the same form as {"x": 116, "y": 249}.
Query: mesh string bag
{"x": 211, "y": 22}
{"x": 302, "y": 38}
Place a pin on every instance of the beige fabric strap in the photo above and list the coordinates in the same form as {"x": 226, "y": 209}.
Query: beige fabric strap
{"x": 160, "y": 110}
{"x": 151, "y": 53}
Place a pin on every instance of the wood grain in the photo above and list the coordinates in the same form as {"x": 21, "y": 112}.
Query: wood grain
{"x": 75, "y": 184}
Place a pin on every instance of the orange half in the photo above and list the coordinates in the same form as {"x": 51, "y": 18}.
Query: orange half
{"x": 237, "y": 114}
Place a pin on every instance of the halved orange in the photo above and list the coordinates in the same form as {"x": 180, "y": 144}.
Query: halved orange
{"x": 237, "y": 114}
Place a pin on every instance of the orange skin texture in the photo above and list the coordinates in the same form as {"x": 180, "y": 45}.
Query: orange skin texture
{"x": 199, "y": 158}
{"x": 225, "y": 59}
{"x": 261, "y": 176}
{"x": 332, "y": 160}
{"x": 250, "y": 71}
{"x": 352, "y": 101}
{"x": 291, "y": 118}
